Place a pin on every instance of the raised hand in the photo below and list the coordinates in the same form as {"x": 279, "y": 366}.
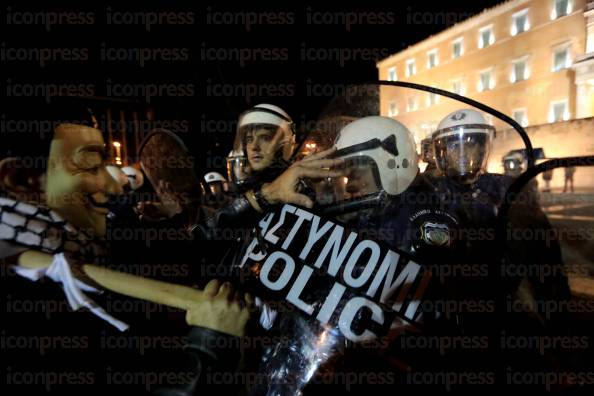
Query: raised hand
{"x": 284, "y": 189}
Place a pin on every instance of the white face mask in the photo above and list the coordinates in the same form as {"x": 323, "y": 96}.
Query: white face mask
{"x": 77, "y": 182}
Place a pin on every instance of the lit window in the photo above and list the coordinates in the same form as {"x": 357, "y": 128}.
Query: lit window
{"x": 561, "y": 8}
{"x": 486, "y": 81}
{"x": 457, "y": 48}
{"x": 432, "y": 99}
{"x": 432, "y": 59}
{"x": 519, "y": 70}
{"x": 561, "y": 59}
{"x": 559, "y": 111}
{"x": 520, "y": 22}
{"x": 458, "y": 87}
{"x": 411, "y": 104}
{"x": 486, "y": 36}
{"x": 411, "y": 68}
{"x": 392, "y": 74}
{"x": 118, "y": 153}
{"x": 392, "y": 109}
{"x": 520, "y": 116}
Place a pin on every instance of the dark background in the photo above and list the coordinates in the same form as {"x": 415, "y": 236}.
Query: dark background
{"x": 211, "y": 80}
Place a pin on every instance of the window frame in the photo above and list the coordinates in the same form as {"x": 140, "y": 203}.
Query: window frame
{"x": 415, "y": 102}
{"x": 459, "y": 40}
{"x": 390, "y": 112}
{"x": 390, "y": 71}
{"x": 435, "y": 52}
{"x": 568, "y": 9}
{"x": 412, "y": 62}
{"x": 492, "y": 83}
{"x": 513, "y": 78}
{"x": 566, "y": 114}
{"x": 523, "y": 110}
{"x": 462, "y": 86}
{"x": 568, "y": 58}
{"x": 489, "y": 28}
{"x": 522, "y": 13}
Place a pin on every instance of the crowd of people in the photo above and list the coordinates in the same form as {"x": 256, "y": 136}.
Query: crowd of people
{"x": 59, "y": 216}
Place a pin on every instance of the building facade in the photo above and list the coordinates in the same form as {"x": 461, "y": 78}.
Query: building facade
{"x": 533, "y": 60}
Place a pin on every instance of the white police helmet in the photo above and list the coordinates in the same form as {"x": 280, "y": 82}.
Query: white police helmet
{"x": 269, "y": 116}
{"x": 385, "y": 146}
{"x": 462, "y": 143}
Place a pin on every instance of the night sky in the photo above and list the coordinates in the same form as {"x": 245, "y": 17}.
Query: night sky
{"x": 290, "y": 50}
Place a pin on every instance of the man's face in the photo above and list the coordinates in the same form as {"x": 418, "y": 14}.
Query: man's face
{"x": 216, "y": 188}
{"x": 261, "y": 147}
{"x": 77, "y": 182}
{"x": 462, "y": 156}
{"x": 359, "y": 181}
{"x": 465, "y": 158}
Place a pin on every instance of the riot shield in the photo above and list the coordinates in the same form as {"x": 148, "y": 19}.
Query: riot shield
{"x": 170, "y": 168}
{"x": 367, "y": 267}
{"x": 549, "y": 269}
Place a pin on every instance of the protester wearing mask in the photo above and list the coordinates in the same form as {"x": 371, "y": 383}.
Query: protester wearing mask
{"x": 53, "y": 220}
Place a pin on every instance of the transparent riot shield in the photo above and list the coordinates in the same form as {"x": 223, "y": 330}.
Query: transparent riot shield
{"x": 546, "y": 229}
{"x": 370, "y": 261}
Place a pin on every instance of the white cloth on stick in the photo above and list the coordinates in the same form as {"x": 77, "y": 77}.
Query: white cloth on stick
{"x": 59, "y": 271}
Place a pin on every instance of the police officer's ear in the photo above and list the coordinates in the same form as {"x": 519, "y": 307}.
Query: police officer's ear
{"x": 20, "y": 180}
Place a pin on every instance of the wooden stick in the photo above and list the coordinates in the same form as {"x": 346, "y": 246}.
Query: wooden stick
{"x": 170, "y": 294}
{"x": 159, "y": 292}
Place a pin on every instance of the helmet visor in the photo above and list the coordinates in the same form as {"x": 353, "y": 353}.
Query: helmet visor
{"x": 361, "y": 179}
{"x": 238, "y": 169}
{"x": 461, "y": 153}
